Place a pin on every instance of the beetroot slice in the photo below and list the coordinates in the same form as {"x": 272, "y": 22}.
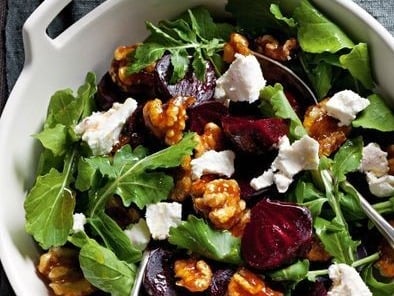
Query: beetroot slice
{"x": 278, "y": 233}
{"x": 200, "y": 115}
{"x": 188, "y": 86}
{"x": 254, "y": 135}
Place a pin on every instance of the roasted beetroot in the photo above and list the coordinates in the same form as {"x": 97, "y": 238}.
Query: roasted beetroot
{"x": 188, "y": 86}
{"x": 220, "y": 281}
{"x": 254, "y": 135}
{"x": 278, "y": 233}
{"x": 200, "y": 115}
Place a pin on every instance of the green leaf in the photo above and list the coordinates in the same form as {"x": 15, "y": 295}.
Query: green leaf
{"x": 105, "y": 271}
{"x": 276, "y": 11}
{"x": 180, "y": 63}
{"x": 197, "y": 236}
{"x": 55, "y": 139}
{"x": 379, "y": 288}
{"x": 359, "y": 64}
{"x": 348, "y": 158}
{"x": 336, "y": 239}
{"x": 274, "y": 101}
{"x": 295, "y": 272}
{"x": 49, "y": 209}
{"x": 376, "y": 116}
{"x": 316, "y": 33}
{"x": 114, "y": 238}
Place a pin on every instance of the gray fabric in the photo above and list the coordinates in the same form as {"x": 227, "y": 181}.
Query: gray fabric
{"x": 19, "y": 10}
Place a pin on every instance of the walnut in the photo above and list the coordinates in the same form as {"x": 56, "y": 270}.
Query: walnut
{"x": 193, "y": 274}
{"x": 60, "y": 267}
{"x": 236, "y": 44}
{"x": 246, "y": 283}
{"x": 119, "y": 70}
{"x": 270, "y": 46}
{"x": 183, "y": 181}
{"x": 324, "y": 128}
{"x": 211, "y": 139}
{"x": 317, "y": 253}
{"x": 390, "y": 158}
{"x": 385, "y": 264}
{"x": 220, "y": 202}
{"x": 238, "y": 229}
{"x": 167, "y": 121}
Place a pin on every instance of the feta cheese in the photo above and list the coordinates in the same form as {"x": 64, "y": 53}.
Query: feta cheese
{"x": 242, "y": 81}
{"x": 101, "y": 130}
{"x": 138, "y": 234}
{"x": 79, "y": 220}
{"x": 374, "y": 160}
{"x": 213, "y": 162}
{"x": 345, "y": 105}
{"x": 160, "y": 217}
{"x": 346, "y": 281}
{"x": 381, "y": 186}
{"x": 303, "y": 154}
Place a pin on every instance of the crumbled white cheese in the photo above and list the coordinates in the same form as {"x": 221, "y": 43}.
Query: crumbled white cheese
{"x": 381, "y": 186}
{"x": 303, "y": 154}
{"x": 160, "y": 217}
{"x": 213, "y": 162}
{"x": 138, "y": 234}
{"x": 346, "y": 281}
{"x": 374, "y": 160}
{"x": 79, "y": 220}
{"x": 101, "y": 130}
{"x": 345, "y": 105}
{"x": 242, "y": 81}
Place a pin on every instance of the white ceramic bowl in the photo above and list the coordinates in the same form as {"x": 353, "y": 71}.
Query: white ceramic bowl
{"x": 63, "y": 62}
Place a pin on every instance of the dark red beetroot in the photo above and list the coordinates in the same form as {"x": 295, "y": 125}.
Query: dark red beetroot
{"x": 220, "y": 281}
{"x": 188, "y": 86}
{"x": 254, "y": 135}
{"x": 278, "y": 233}
{"x": 200, "y": 115}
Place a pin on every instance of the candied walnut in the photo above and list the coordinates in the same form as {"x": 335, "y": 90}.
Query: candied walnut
{"x": 211, "y": 139}
{"x": 236, "y": 44}
{"x": 317, "y": 253}
{"x": 120, "y": 75}
{"x": 238, "y": 229}
{"x": 124, "y": 216}
{"x": 183, "y": 181}
{"x": 270, "y": 46}
{"x": 220, "y": 202}
{"x": 167, "y": 121}
{"x": 324, "y": 128}
{"x": 390, "y": 157}
{"x": 385, "y": 264}
{"x": 60, "y": 267}
{"x": 193, "y": 274}
{"x": 246, "y": 283}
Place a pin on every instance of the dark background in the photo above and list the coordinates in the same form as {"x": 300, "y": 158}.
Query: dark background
{"x": 13, "y": 14}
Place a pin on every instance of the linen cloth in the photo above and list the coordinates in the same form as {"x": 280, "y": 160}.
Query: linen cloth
{"x": 13, "y": 14}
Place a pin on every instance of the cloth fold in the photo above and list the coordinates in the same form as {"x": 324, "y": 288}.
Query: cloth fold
{"x": 13, "y": 15}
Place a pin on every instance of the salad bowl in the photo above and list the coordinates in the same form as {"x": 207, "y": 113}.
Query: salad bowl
{"x": 88, "y": 45}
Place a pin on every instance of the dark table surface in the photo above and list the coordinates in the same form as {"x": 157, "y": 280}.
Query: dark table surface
{"x": 13, "y": 13}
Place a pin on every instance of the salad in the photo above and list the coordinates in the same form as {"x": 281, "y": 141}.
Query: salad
{"x": 191, "y": 150}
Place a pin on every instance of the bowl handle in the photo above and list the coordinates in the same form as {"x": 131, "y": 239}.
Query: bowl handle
{"x": 35, "y": 39}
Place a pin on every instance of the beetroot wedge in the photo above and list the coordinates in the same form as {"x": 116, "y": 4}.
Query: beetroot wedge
{"x": 278, "y": 233}
{"x": 254, "y": 135}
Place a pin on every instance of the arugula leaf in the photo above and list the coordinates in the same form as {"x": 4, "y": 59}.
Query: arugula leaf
{"x": 131, "y": 174}
{"x": 105, "y": 271}
{"x": 348, "y": 158}
{"x": 196, "y": 235}
{"x": 376, "y": 116}
{"x": 276, "y": 11}
{"x": 49, "y": 208}
{"x": 54, "y": 139}
{"x": 273, "y": 101}
{"x": 359, "y": 64}
{"x": 114, "y": 238}
{"x": 377, "y": 287}
{"x": 295, "y": 272}
{"x": 316, "y": 33}
{"x": 195, "y": 35}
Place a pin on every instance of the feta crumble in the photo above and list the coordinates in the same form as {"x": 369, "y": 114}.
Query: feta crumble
{"x": 213, "y": 162}
{"x": 346, "y": 281}
{"x": 79, "y": 220}
{"x": 242, "y": 81}
{"x": 160, "y": 217}
{"x": 138, "y": 234}
{"x": 101, "y": 130}
{"x": 374, "y": 160}
{"x": 303, "y": 154}
{"x": 345, "y": 105}
{"x": 381, "y": 186}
